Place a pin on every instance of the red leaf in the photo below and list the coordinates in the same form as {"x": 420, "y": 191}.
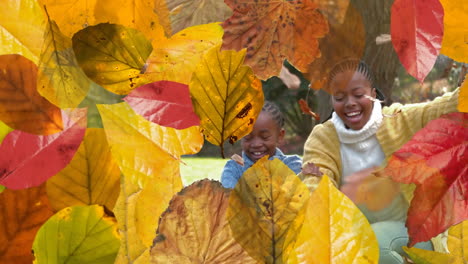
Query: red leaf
{"x": 165, "y": 103}
{"x": 27, "y": 160}
{"x": 417, "y": 29}
{"x": 435, "y": 159}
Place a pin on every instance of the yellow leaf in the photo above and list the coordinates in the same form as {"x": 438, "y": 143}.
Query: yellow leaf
{"x": 194, "y": 228}
{"x": 60, "y": 79}
{"x": 4, "y": 130}
{"x": 137, "y": 211}
{"x": 226, "y": 96}
{"x": 141, "y": 147}
{"x": 175, "y": 58}
{"x": 112, "y": 55}
{"x": 458, "y": 242}
{"x": 463, "y": 97}
{"x": 455, "y": 40}
{"x": 335, "y": 230}
{"x": 21, "y": 28}
{"x": 267, "y": 203}
{"x": 92, "y": 177}
{"x": 187, "y": 13}
{"x": 422, "y": 256}
{"x": 161, "y": 10}
{"x": 72, "y": 16}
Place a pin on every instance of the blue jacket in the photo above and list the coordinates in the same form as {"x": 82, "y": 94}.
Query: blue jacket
{"x": 233, "y": 171}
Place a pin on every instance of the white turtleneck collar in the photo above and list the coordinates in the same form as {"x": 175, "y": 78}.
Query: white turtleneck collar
{"x": 349, "y": 136}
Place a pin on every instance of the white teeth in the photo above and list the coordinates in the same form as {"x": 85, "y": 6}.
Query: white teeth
{"x": 353, "y": 114}
{"x": 257, "y": 153}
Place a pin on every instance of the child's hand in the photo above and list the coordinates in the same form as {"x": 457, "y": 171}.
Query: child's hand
{"x": 238, "y": 159}
{"x": 311, "y": 169}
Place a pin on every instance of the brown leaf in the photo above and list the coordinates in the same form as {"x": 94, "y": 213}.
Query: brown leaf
{"x": 22, "y": 214}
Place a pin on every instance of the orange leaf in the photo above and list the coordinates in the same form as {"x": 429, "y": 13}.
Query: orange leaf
{"x": 21, "y": 106}
{"x": 306, "y": 109}
{"x": 273, "y": 31}
{"x": 23, "y": 212}
{"x": 194, "y": 228}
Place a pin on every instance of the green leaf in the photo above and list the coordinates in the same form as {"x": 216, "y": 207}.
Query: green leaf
{"x": 112, "y": 55}
{"x": 4, "y": 130}
{"x": 78, "y": 234}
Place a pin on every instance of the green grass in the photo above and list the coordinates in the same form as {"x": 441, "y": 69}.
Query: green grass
{"x": 200, "y": 168}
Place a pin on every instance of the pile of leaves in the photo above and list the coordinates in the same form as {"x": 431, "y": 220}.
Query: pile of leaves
{"x": 95, "y": 179}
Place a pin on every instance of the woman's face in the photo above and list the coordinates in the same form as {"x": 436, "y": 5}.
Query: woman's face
{"x": 350, "y": 97}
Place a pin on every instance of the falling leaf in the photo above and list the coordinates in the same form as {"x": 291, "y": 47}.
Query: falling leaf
{"x": 306, "y": 109}
{"x": 23, "y": 212}
{"x": 334, "y": 230}
{"x": 175, "y": 58}
{"x": 417, "y": 30}
{"x": 422, "y": 256}
{"x": 455, "y": 41}
{"x": 4, "y": 130}
{"x": 60, "y": 79}
{"x": 458, "y": 242}
{"x": 92, "y": 176}
{"x": 72, "y": 16}
{"x": 194, "y": 228}
{"x": 187, "y": 13}
{"x": 21, "y": 106}
{"x": 273, "y": 31}
{"x": 165, "y": 103}
{"x": 28, "y": 160}
{"x": 463, "y": 97}
{"x": 138, "y": 210}
{"x": 265, "y": 205}
{"x": 141, "y": 147}
{"x": 226, "y": 96}
{"x": 21, "y": 28}
{"x": 435, "y": 160}
{"x": 112, "y": 55}
{"x": 78, "y": 234}
{"x": 345, "y": 40}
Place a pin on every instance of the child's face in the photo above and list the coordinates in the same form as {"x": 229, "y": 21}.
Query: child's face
{"x": 263, "y": 139}
{"x": 350, "y": 102}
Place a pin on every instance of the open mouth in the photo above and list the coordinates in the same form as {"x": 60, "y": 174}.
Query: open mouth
{"x": 258, "y": 154}
{"x": 354, "y": 116}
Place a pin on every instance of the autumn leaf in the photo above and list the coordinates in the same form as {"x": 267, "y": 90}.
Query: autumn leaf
{"x": 165, "y": 103}
{"x": 346, "y": 39}
{"x": 21, "y": 106}
{"x": 92, "y": 176}
{"x": 72, "y": 16}
{"x": 422, "y": 256}
{"x": 78, "y": 234}
{"x": 21, "y": 28}
{"x": 141, "y": 147}
{"x": 28, "y": 160}
{"x": 194, "y": 228}
{"x": 273, "y": 31}
{"x": 4, "y": 130}
{"x": 187, "y": 13}
{"x": 435, "y": 160}
{"x": 454, "y": 43}
{"x": 306, "y": 109}
{"x": 457, "y": 242}
{"x": 23, "y": 212}
{"x": 60, "y": 79}
{"x": 417, "y": 30}
{"x": 175, "y": 58}
{"x": 265, "y": 205}
{"x": 112, "y": 55}
{"x": 162, "y": 11}
{"x": 463, "y": 97}
{"x": 226, "y": 96}
{"x": 138, "y": 209}
{"x": 333, "y": 222}
{"x": 334, "y": 10}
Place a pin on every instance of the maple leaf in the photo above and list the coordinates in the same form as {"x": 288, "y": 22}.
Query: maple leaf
{"x": 435, "y": 159}
{"x": 417, "y": 42}
{"x": 273, "y": 31}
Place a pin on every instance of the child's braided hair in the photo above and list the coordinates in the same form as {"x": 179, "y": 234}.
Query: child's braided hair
{"x": 275, "y": 113}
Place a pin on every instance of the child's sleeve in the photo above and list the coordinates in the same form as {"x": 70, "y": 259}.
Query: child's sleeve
{"x": 231, "y": 174}
{"x": 323, "y": 149}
